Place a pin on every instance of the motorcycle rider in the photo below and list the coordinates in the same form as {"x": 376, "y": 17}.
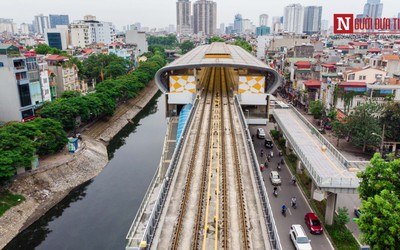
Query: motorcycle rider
{"x": 293, "y": 201}
{"x": 275, "y": 191}
{"x": 294, "y": 180}
{"x": 284, "y": 209}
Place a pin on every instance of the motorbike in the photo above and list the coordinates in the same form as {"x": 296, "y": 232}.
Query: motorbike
{"x": 284, "y": 212}
{"x": 294, "y": 205}
{"x": 275, "y": 193}
{"x": 282, "y": 162}
{"x": 279, "y": 167}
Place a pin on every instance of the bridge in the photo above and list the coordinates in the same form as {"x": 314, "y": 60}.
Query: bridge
{"x": 210, "y": 192}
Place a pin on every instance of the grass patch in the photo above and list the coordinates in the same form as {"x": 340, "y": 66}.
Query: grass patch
{"x": 8, "y": 200}
{"x": 341, "y": 236}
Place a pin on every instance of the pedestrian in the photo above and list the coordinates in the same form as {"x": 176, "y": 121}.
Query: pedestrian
{"x": 272, "y": 154}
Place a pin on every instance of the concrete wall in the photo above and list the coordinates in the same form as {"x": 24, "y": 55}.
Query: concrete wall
{"x": 9, "y": 96}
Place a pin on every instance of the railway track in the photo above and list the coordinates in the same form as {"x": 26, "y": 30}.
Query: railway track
{"x": 215, "y": 133}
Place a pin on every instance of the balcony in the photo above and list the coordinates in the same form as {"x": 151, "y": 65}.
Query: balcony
{"x": 20, "y": 68}
{"x": 23, "y": 81}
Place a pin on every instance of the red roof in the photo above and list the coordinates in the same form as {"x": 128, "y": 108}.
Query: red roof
{"x": 391, "y": 57}
{"x": 329, "y": 65}
{"x": 343, "y": 47}
{"x": 312, "y": 83}
{"x": 30, "y": 53}
{"x": 359, "y": 43}
{"x": 56, "y": 58}
{"x": 353, "y": 85}
{"x": 302, "y": 64}
{"x": 87, "y": 51}
{"x": 374, "y": 50}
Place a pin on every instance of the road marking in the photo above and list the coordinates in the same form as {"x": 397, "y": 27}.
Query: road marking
{"x": 288, "y": 209}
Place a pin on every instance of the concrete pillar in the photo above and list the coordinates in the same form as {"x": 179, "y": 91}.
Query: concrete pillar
{"x": 330, "y": 208}
{"x": 313, "y": 187}
{"x": 298, "y": 166}
{"x": 287, "y": 146}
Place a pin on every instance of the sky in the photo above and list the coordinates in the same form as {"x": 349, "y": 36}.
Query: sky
{"x": 161, "y": 13}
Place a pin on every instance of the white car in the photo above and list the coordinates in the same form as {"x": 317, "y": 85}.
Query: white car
{"x": 275, "y": 178}
{"x": 299, "y": 237}
{"x": 260, "y": 133}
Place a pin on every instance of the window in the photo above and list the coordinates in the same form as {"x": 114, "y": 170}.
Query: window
{"x": 362, "y": 77}
{"x": 1, "y": 64}
{"x": 24, "y": 95}
{"x": 351, "y": 77}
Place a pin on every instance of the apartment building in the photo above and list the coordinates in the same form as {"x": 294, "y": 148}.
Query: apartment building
{"x": 65, "y": 74}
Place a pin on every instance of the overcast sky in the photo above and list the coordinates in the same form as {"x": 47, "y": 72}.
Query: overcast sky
{"x": 160, "y": 13}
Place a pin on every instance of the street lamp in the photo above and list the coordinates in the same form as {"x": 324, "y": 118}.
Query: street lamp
{"x": 382, "y": 137}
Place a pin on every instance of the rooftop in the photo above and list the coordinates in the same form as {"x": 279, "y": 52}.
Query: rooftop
{"x": 56, "y": 58}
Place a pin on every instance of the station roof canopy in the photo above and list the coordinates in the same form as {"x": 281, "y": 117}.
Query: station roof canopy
{"x": 217, "y": 55}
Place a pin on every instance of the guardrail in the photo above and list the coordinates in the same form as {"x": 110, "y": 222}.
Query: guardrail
{"x": 134, "y": 244}
{"x": 267, "y": 210}
{"x": 320, "y": 181}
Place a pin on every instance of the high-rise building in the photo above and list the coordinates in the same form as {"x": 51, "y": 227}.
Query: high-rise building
{"x": 205, "y": 17}
{"x": 324, "y": 24}
{"x": 293, "y": 18}
{"x": 89, "y": 30}
{"x": 222, "y": 28}
{"x": 7, "y": 25}
{"x": 238, "y": 23}
{"x": 57, "y": 37}
{"x": 263, "y": 20}
{"x": 373, "y": 9}
{"x": 41, "y": 23}
{"x": 312, "y": 19}
{"x": 183, "y": 12}
{"x": 276, "y": 24}
{"x": 58, "y": 20}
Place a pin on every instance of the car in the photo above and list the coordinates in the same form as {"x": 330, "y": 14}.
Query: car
{"x": 260, "y": 133}
{"x": 357, "y": 212}
{"x": 299, "y": 237}
{"x": 313, "y": 223}
{"x": 275, "y": 178}
{"x": 268, "y": 143}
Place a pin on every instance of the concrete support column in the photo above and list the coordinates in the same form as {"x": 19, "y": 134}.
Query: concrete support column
{"x": 298, "y": 166}
{"x": 313, "y": 187}
{"x": 287, "y": 146}
{"x": 330, "y": 208}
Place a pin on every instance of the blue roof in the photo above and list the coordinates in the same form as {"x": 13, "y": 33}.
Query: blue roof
{"x": 183, "y": 116}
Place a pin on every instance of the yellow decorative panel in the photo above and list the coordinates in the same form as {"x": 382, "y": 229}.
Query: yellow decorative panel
{"x": 251, "y": 84}
{"x": 182, "y": 84}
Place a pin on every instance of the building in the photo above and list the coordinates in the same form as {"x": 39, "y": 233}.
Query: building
{"x": 293, "y": 19}
{"x": 262, "y": 31}
{"x": 183, "y": 13}
{"x": 8, "y": 25}
{"x": 24, "y": 29}
{"x": 41, "y": 23}
{"x": 138, "y": 38}
{"x": 65, "y": 74}
{"x": 90, "y": 31}
{"x": 57, "y": 37}
{"x": 204, "y": 17}
{"x": 18, "y": 99}
{"x": 126, "y": 51}
{"x": 58, "y": 20}
{"x": 222, "y": 28}
{"x": 276, "y": 24}
{"x": 373, "y": 9}
{"x": 263, "y": 20}
{"x": 312, "y": 20}
{"x": 238, "y": 24}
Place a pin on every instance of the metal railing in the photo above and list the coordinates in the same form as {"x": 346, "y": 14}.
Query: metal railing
{"x": 320, "y": 181}
{"x": 155, "y": 215}
{"x": 267, "y": 210}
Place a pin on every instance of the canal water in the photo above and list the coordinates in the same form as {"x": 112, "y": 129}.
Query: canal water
{"x": 99, "y": 213}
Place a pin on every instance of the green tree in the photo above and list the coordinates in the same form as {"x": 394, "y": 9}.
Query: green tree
{"x": 113, "y": 70}
{"x": 216, "y": 39}
{"x": 342, "y": 217}
{"x": 380, "y": 220}
{"x": 316, "y": 109}
{"x": 340, "y": 130}
{"x": 245, "y": 45}
{"x": 70, "y": 94}
{"x": 391, "y": 118}
{"x": 53, "y": 137}
{"x": 363, "y": 123}
{"x": 42, "y": 49}
{"x": 96, "y": 65}
{"x": 186, "y": 46}
{"x": 15, "y": 151}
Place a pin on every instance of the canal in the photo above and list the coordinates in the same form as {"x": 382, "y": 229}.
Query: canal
{"x": 98, "y": 214}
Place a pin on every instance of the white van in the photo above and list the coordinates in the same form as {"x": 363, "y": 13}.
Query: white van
{"x": 260, "y": 133}
{"x": 299, "y": 237}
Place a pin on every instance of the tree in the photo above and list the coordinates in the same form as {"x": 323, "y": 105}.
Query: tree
{"x": 245, "y": 45}
{"x": 70, "y": 94}
{"x": 42, "y": 49}
{"x": 113, "y": 70}
{"x": 96, "y": 65}
{"x": 340, "y": 130}
{"x": 216, "y": 39}
{"x": 391, "y": 119}
{"x": 380, "y": 211}
{"x": 380, "y": 220}
{"x": 363, "y": 123}
{"x": 53, "y": 137}
{"x": 342, "y": 217}
{"x": 316, "y": 109}
{"x": 186, "y": 46}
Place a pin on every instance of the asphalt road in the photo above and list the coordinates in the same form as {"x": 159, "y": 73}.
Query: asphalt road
{"x": 285, "y": 192}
